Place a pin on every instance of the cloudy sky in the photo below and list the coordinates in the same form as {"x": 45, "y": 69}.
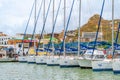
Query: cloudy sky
{"x": 14, "y": 14}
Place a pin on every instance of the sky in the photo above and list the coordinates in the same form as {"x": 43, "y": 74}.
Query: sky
{"x": 14, "y": 14}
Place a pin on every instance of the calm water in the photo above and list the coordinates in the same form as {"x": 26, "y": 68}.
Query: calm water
{"x": 24, "y": 71}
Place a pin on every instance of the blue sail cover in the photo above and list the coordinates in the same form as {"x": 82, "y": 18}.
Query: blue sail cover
{"x": 99, "y": 43}
{"x": 116, "y": 46}
{"x": 72, "y": 47}
{"x": 39, "y": 50}
{"x": 48, "y": 50}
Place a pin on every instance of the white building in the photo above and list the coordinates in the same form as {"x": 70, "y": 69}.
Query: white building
{"x": 4, "y": 40}
{"x": 91, "y": 35}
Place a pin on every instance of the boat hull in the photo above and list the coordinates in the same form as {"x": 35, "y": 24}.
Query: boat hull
{"x": 22, "y": 59}
{"x": 53, "y": 61}
{"x": 31, "y": 59}
{"x": 116, "y": 66}
{"x": 68, "y": 62}
{"x": 102, "y": 65}
{"x": 85, "y": 63}
{"x": 41, "y": 59}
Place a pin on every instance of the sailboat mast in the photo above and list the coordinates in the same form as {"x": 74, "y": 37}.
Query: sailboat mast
{"x": 53, "y": 25}
{"x": 79, "y": 28}
{"x": 43, "y": 21}
{"x": 112, "y": 26}
{"x": 35, "y": 20}
{"x": 64, "y": 26}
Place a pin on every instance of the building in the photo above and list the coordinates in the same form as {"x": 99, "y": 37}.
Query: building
{"x": 4, "y": 39}
{"x": 90, "y": 36}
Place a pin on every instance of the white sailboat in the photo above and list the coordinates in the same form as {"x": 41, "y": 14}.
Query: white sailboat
{"x": 105, "y": 64}
{"x": 79, "y": 48}
{"x": 22, "y": 58}
{"x": 116, "y": 61}
{"x": 53, "y": 60}
{"x": 41, "y": 59}
{"x": 89, "y": 55}
{"x": 67, "y": 61}
{"x": 24, "y": 51}
{"x": 116, "y": 66}
{"x": 86, "y": 60}
{"x": 31, "y": 51}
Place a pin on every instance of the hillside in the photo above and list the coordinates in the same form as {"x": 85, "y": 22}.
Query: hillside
{"x": 92, "y": 25}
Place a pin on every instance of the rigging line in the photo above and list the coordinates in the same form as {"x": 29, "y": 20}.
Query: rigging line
{"x": 44, "y": 24}
{"x": 99, "y": 22}
{"x": 54, "y": 24}
{"x": 27, "y": 25}
{"x": 67, "y": 24}
{"x": 35, "y": 24}
{"x": 116, "y": 38}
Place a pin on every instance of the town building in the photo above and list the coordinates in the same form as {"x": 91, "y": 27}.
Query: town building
{"x": 4, "y": 38}
{"x": 90, "y": 36}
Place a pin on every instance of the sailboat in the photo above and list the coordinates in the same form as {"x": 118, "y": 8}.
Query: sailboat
{"x": 116, "y": 66}
{"x": 116, "y": 58}
{"x": 42, "y": 58}
{"x": 105, "y": 64}
{"x": 67, "y": 61}
{"x": 32, "y": 50}
{"x": 23, "y": 58}
{"x": 116, "y": 61}
{"x": 92, "y": 54}
{"x": 53, "y": 60}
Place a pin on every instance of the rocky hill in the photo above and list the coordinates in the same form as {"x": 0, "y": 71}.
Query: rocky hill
{"x": 92, "y": 25}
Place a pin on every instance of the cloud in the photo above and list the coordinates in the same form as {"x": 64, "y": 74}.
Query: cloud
{"x": 15, "y": 13}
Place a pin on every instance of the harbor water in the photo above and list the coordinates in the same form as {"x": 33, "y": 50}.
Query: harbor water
{"x": 24, "y": 71}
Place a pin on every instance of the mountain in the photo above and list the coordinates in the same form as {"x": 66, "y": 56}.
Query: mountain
{"x": 92, "y": 25}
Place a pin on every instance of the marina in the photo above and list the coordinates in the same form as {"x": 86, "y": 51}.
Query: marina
{"x": 87, "y": 46}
